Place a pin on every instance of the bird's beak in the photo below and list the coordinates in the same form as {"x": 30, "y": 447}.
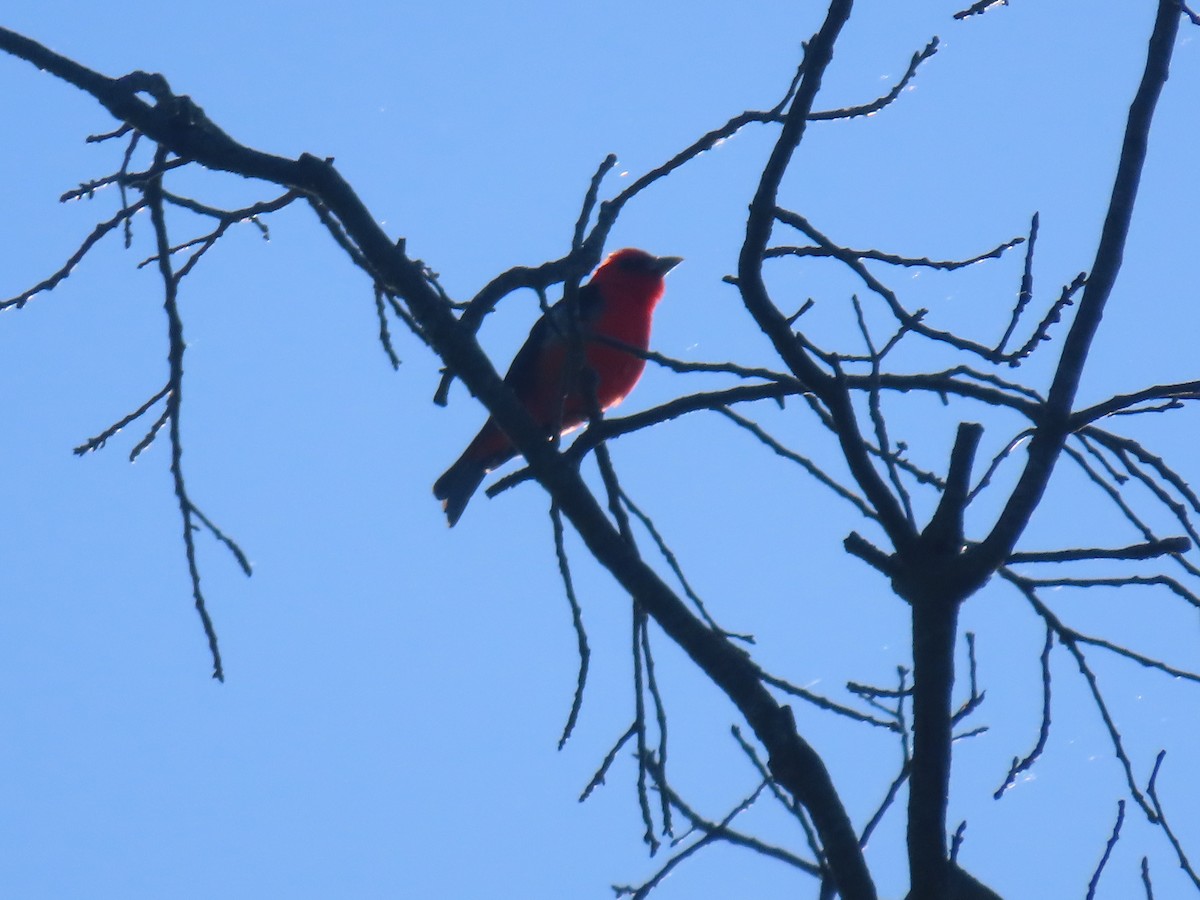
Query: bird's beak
{"x": 664, "y": 264}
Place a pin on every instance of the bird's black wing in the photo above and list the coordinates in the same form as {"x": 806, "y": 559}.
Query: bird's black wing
{"x": 552, "y": 327}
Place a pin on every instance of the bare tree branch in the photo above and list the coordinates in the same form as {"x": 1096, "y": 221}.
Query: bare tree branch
{"x": 1049, "y": 437}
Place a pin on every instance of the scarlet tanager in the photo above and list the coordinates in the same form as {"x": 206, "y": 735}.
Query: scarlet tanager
{"x": 618, "y": 303}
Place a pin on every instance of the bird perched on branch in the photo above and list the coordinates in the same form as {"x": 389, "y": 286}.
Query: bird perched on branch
{"x": 618, "y": 304}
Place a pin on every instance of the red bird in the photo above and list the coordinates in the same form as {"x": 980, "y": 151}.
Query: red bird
{"x": 617, "y": 303}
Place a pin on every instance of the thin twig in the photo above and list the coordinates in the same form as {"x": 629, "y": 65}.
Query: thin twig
{"x": 89, "y": 242}
{"x": 1159, "y": 816}
{"x": 95, "y": 443}
{"x": 673, "y": 562}
{"x": 979, "y": 7}
{"x": 581, "y": 641}
{"x": 610, "y": 757}
{"x": 924, "y": 262}
{"x": 1025, "y": 294}
{"x": 154, "y": 199}
{"x": 385, "y": 335}
{"x": 825, "y": 703}
{"x": 1020, "y": 765}
{"x": 231, "y": 545}
{"x": 869, "y": 109}
{"x": 1108, "y": 849}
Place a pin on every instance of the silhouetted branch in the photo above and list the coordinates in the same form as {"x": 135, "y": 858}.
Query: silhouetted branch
{"x": 1020, "y": 765}
{"x": 947, "y": 383}
{"x": 788, "y": 803}
{"x": 589, "y": 201}
{"x": 856, "y": 545}
{"x": 1114, "y": 494}
{"x": 945, "y": 529}
{"x": 830, "y": 251}
{"x": 87, "y": 190}
{"x": 1108, "y": 849}
{"x": 974, "y": 699}
{"x": 1150, "y": 480}
{"x": 1114, "y": 734}
{"x": 153, "y": 198}
{"x": 1068, "y": 639}
{"x": 150, "y": 435}
{"x": 230, "y": 544}
{"x": 660, "y": 716}
{"x": 585, "y": 653}
{"x": 1124, "y": 447}
{"x": 773, "y": 323}
{"x": 1188, "y": 390}
{"x": 609, "y": 758}
{"x": 824, "y": 702}
{"x": 684, "y": 366}
{"x": 1125, "y": 581}
{"x": 902, "y": 726}
{"x": 673, "y": 563}
{"x": 1148, "y": 550}
{"x": 712, "y": 832}
{"x": 1025, "y": 294}
{"x": 48, "y": 284}
{"x": 1042, "y": 333}
{"x": 1048, "y": 440}
{"x": 889, "y": 799}
{"x": 910, "y": 321}
{"x": 649, "y": 837}
{"x": 343, "y": 240}
{"x": 979, "y": 7}
{"x": 97, "y": 442}
{"x": 385, "y": 335}
{"x": 804, "y": 462}
{"x": 225, "y": 220}
{"x": 869, "y": 109}
{"x": 1160, "y": 817}
{"x": 876, "y": 413}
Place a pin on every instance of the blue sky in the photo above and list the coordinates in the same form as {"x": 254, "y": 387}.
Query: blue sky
{"x": 395, "y": 689}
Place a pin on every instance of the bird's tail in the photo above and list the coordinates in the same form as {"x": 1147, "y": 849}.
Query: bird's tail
{"x": 459, "y": 482}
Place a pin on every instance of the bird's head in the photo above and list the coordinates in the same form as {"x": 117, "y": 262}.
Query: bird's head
{"x": 635, "y": 273}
